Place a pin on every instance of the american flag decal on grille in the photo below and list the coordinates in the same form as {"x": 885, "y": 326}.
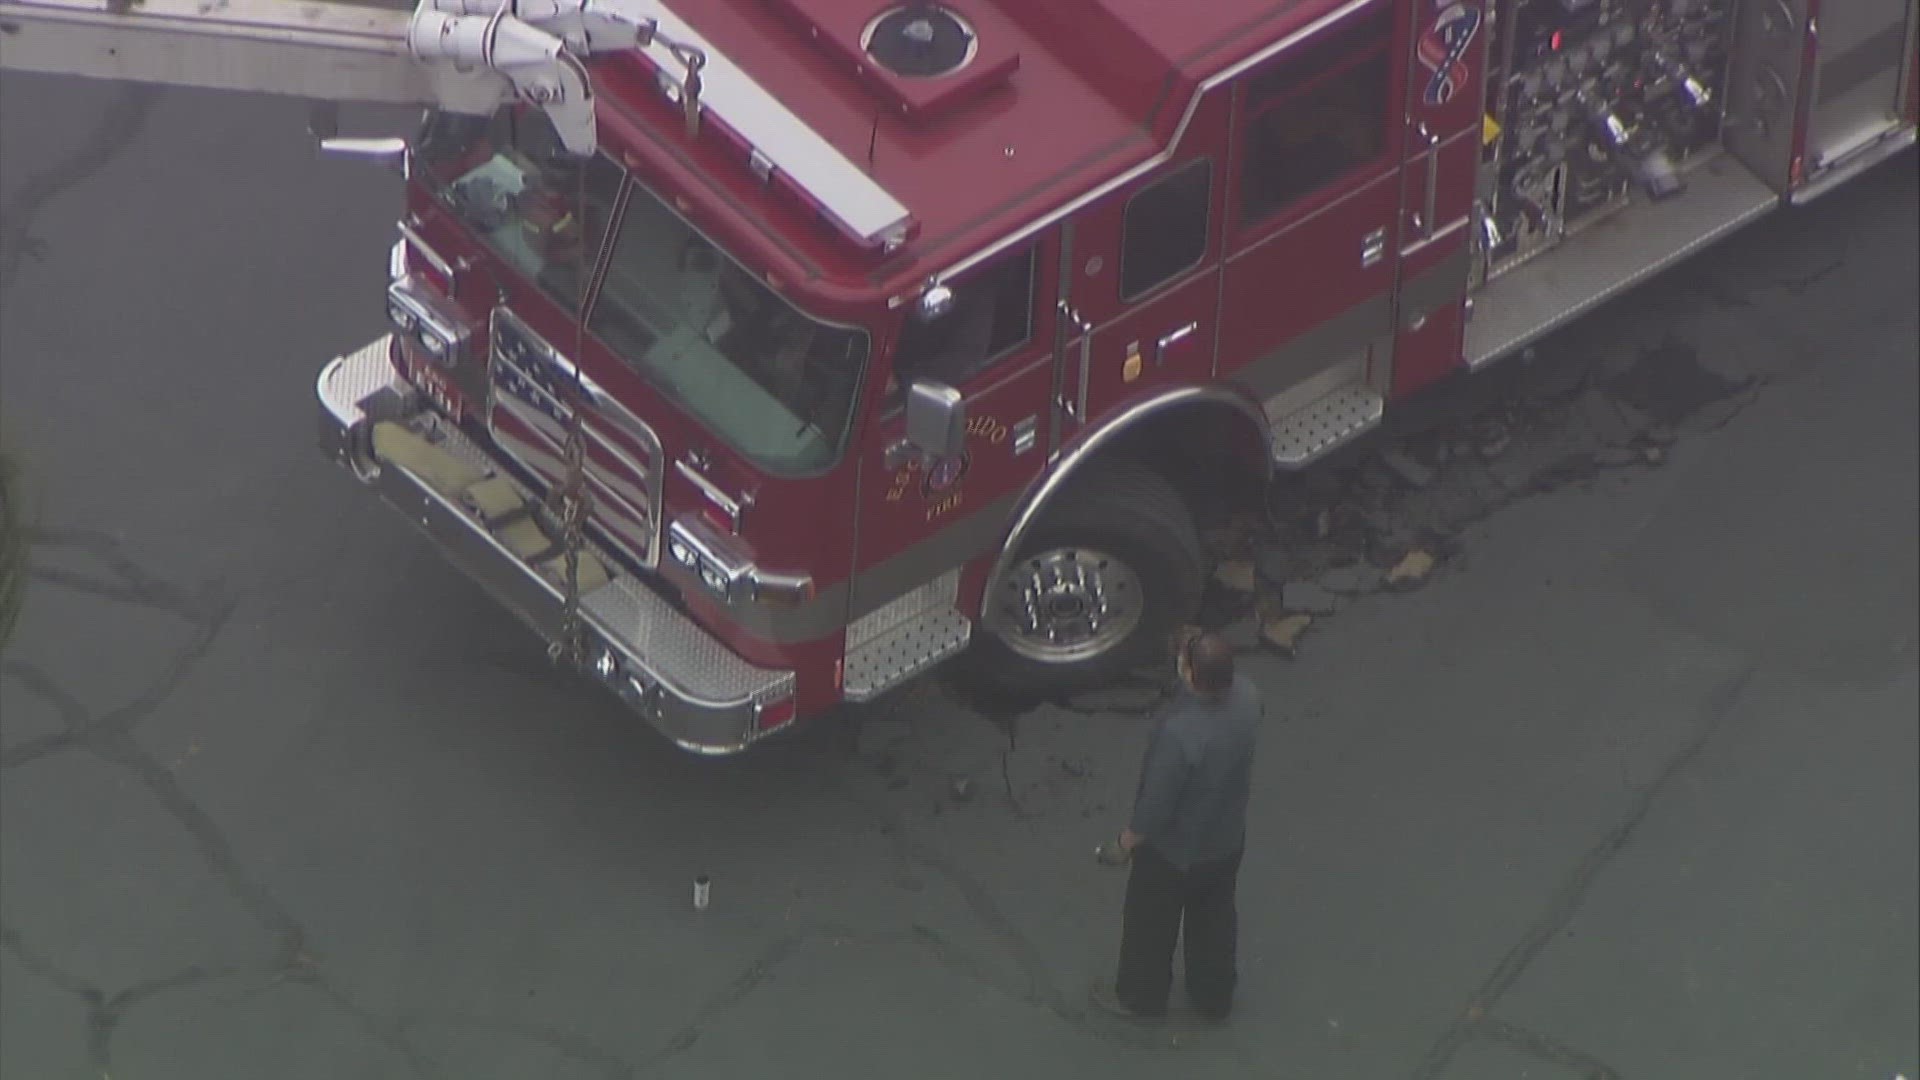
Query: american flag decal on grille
{"x": 533, "y": 399}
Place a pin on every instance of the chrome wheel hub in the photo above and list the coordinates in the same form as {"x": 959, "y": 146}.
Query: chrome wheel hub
{"x": 1066, "y": 605}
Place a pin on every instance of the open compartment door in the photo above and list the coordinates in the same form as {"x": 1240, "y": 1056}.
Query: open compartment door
{"x": 1770, "y": 47}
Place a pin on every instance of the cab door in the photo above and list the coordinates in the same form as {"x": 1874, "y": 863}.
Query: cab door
{"x": 996, "y": 346}
{"x": 1144, "y": 290}
{"x": 1314, "y": 205}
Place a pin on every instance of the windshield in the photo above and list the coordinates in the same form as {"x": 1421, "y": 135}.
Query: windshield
{"x": 778, "y": 386}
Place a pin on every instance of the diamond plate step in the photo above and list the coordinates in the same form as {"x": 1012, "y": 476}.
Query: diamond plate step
{"x": 905, "y": 651}
{"x": 1325, "y": 424}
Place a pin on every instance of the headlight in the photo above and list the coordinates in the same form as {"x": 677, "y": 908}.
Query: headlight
{"x": 428, "y": 319}
{"x": 727, "y": 571}
{"x": 682, "y": 553}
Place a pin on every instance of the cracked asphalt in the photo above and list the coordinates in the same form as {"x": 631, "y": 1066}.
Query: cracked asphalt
{"x": 1627, "y": 790}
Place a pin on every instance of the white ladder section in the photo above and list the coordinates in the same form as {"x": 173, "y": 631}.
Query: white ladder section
{"x": 330, "y": 51}
{"x": 464, "y": 56}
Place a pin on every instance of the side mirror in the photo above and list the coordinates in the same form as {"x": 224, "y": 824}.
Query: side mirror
{"x": 936, "y": 419}
{"x": 390, "y": 151}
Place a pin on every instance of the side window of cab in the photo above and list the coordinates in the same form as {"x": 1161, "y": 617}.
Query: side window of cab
{"x": 991, "y": 318}
{"x": 1317, "y": 119}
{"x": 1164, "y": 229}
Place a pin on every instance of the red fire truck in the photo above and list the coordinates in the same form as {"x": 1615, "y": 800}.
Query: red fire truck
{"x": 764, "y": 354}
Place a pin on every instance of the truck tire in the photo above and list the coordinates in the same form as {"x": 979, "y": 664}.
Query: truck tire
{"x": 1101, "y": 582}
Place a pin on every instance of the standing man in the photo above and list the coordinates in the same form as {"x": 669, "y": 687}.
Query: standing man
{"x": 1185, "y": 838}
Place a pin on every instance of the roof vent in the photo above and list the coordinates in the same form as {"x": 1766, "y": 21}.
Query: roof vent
{"x": 922, "y": 58}
{"x": 920, "y": 41}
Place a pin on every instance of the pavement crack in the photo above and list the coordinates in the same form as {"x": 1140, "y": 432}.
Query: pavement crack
{"x": 214, "y": 847}
{"x": 962, "y": 962}
{"x": 1040, "y": 990}
{"x": 103, "y": 1013}
{"x": 391, "y": 1034}
{"x": 1547, "y": 1049}
{"x": 17, "y": 947}
{"x": 36, "y": 748}
{"x": 135, "y": 584}
{"x": 109, "y": 736}
{"x": 123, "y": 122}
{"x": 1572, "y": 893}
{"x": 729, "y": 996}
{"x": 104, "y": 1018}
{"x": 609, "y": 1064}
{"x": 1006, "y": 780}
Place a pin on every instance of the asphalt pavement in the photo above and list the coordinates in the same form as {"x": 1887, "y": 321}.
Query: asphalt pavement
{"x": 1627, "y": 789}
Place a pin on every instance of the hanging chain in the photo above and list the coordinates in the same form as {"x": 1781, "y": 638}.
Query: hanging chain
{"x": 571, "y": 501}
{"x": 575, "y": 504}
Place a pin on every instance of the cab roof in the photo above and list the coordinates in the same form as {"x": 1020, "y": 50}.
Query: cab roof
{"x": 969, "y": 118}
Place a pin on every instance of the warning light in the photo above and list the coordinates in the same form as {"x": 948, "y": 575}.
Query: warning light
{"x": 1554, "y": 41}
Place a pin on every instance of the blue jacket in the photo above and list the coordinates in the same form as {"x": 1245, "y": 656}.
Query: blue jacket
{"x": 1198, "y": 772}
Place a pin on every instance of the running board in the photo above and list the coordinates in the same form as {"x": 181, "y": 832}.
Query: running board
{"x": 904, "y": 637}
{"x": 905, "y": 651}
{"x": 1323, "y": 425}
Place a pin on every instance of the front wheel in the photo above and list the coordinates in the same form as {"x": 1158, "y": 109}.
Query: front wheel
{"x": 1098, "y": 587}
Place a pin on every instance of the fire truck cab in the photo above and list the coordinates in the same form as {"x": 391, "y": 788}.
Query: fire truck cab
{"x": 876, "y": 333}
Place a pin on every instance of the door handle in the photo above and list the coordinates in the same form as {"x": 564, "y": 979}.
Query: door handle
{"x": 1433, "y": 180}
{"x": 1078, "y": 322}
{"x": 1170, "y": 339}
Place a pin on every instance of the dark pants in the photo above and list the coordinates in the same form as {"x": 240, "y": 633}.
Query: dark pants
{"x": 1159, "y": 895}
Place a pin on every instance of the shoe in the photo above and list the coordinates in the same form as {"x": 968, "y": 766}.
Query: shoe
{"x": 1104, "y": 998}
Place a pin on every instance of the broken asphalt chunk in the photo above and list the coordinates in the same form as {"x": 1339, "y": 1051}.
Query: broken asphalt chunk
{"x": 1411, "y": 571}
{"x": 1283, "y": 633}
{"x": 1235, "y": 574}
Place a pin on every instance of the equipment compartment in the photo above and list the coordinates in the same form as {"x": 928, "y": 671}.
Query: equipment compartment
{"x": 1589, "y": 101}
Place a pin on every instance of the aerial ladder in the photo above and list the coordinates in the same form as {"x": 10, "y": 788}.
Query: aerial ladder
{"x": 459, "y": 56}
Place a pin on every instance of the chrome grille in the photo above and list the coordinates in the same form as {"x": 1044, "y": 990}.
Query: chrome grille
{"x": 530, "y": 405}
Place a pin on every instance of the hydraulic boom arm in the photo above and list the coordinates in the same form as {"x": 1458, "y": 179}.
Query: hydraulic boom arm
{"x": 466, "y": 56}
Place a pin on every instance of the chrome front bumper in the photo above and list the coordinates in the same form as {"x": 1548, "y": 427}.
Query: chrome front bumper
{"x": 683, "y": 680}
